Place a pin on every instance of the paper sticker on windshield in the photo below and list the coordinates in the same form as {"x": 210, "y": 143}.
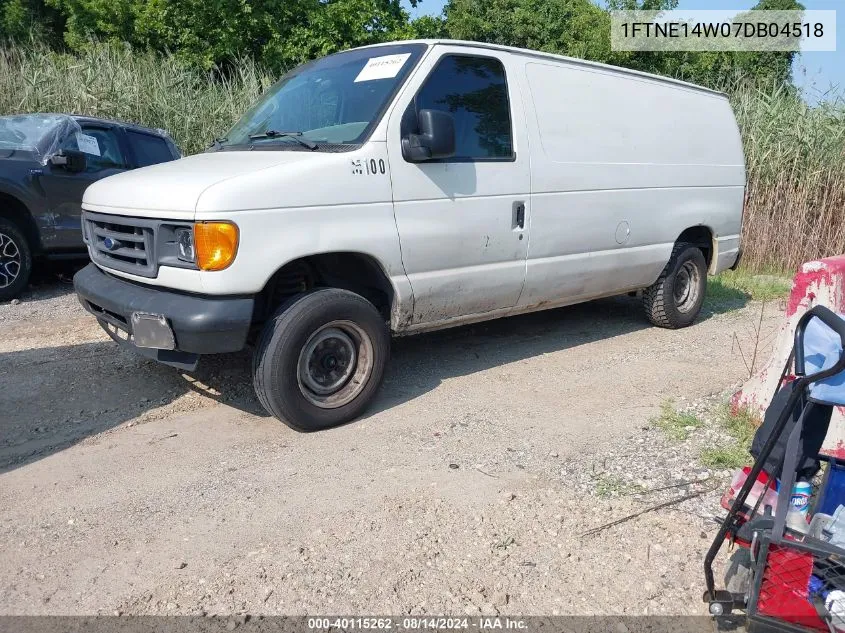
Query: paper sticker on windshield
{"x": 385, "y": 67}
{"x": 87, "y": 144}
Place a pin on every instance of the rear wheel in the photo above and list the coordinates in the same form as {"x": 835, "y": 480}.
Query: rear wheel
{"x": 675, "y": 299}
{"x": 320, "y": 360}
{"x": 15, "y": 260}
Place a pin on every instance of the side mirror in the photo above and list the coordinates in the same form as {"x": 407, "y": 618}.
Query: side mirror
{"x": 71, "y": 160}
{"x": 435, "y": 140}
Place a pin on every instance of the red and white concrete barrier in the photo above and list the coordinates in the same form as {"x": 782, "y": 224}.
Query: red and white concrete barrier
{"x": 820, "y": 282}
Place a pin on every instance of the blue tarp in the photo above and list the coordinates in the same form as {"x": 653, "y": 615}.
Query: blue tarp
{"x": 822, "y": 348}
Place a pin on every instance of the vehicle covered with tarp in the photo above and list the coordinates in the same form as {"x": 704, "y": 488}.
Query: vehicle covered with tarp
{"x": 46, "y": 163}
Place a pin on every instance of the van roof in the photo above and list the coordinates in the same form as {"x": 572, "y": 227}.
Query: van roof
{"x": 571, "y": 60}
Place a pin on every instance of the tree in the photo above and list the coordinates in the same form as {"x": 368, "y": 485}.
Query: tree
{"x": 334, "y": 25}
{"x": 279, "y": 33}
{"x": 283, "y": 33}
{"x": 424, "y": 27}
{"x": 571, "y": 27}
{"x": 581, "y": 29}
{"x": 21, "y": 19}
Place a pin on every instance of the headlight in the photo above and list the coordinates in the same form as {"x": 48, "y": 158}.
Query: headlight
{"x": 216, "y": 244}
{"x": 185, "y": 245}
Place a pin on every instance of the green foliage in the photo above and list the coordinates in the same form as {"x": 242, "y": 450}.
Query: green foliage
{"x": 740, "y": 426}
{"x": 572, "y": 27}
{"x": 795, "y": 158}
{"x": 741, "y": 285}
{"x": 30, "y": 19}
{"x": 426, "y": 27}
{"x": 731, "y": 456}
{"x": 676, "y": 424}
{"x": 579, "y": 28}
{"x": 280, "y": 34}
{"x": 207, "y": 33}
{"x": 608, "y": 485}
{"x": 795, "y": 153}
{"x": 116, "y": 82}
{"x": 642, "y": 5}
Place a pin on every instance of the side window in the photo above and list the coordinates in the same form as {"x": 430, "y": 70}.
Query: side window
{"x": 101, "y": 147}
{"x": 474, "y": 91}
{"x": 149, "y": 149}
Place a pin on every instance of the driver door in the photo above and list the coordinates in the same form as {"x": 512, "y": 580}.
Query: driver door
{"x": 463, "y": 221}
{"x": 103, "y": 146}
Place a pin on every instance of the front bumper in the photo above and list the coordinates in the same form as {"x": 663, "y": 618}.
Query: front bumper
{"x": 200, "y": 324}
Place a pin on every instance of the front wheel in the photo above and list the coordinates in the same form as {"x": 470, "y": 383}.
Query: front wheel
{"x": 675, "y": 299}
{"x": 15, "y": 260}
{"x": 320, "y": 360}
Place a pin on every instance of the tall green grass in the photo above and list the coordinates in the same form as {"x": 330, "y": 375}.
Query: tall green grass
{"x": 795, "y": 153}
{"x": 795, "y": 156}
{"x": 116, "y": 82}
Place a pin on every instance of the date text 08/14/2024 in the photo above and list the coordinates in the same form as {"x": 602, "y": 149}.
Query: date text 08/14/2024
{"x": 416, "y": 623}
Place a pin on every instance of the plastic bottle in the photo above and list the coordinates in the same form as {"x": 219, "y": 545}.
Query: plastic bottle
{"x": 770, "y": 497}
{"x": 799, "y": 506}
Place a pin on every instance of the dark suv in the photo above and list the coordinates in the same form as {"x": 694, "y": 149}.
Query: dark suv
{"x": 46, "y": 162}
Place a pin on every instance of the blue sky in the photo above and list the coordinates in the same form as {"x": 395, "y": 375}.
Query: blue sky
{"x": 815, "y": 72}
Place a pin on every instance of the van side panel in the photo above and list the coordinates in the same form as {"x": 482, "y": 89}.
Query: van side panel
{"x": 621, "y": 165}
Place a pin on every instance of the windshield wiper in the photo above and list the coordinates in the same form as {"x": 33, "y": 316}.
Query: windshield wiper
{"x": 296, "y": 136}
{"x": 218, "y": 141}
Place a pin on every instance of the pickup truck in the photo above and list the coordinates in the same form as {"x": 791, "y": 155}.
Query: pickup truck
{"x": 407, "y": 187}
{"x": 46, "y": 163}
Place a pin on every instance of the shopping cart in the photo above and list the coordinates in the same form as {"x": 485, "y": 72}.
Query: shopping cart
{"x": 794, "y": 572}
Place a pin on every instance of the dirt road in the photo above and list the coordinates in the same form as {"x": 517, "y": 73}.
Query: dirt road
{"x": 128, "y": 487}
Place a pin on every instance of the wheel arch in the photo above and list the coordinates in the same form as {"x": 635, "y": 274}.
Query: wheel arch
{"x": 355, "y": 271}
{"x": 702, "y": 236}
{"x": 14, "y": 209}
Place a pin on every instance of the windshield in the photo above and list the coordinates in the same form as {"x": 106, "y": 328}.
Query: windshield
{"x": 335, "y": 100}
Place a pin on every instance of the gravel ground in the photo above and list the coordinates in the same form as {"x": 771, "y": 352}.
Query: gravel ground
{"x": 128, "y": 487}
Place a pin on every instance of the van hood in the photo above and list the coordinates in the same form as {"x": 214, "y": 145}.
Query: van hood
{"x": 173, "y": 189}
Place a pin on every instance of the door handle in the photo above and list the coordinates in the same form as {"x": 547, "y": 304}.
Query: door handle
{"x": 519, "y": 215}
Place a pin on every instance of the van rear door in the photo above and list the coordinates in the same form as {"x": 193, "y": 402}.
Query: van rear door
{"x": 463, "y": 221}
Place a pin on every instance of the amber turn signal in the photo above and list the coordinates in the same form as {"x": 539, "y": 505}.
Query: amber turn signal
{"x": 216, "y": 244}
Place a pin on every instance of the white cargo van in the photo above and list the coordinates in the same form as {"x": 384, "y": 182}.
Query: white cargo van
{"x": 407, "y": 187}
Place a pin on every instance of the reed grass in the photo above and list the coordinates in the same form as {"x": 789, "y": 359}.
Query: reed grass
{"x": 795, "y": 158}
{"x": 795, "y": 153}
{"x": 114, "y": 81}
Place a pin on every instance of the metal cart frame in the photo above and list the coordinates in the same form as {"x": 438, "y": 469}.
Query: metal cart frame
{"x": 722, "y": 602}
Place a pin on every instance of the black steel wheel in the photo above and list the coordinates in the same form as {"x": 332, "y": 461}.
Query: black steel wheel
{"x": 675, "y": 299}
{"x": 320, "y": 360}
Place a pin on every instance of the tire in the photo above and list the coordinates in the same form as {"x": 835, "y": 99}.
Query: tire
{"x": 675, "y": 299}
{"x": 15, "y": 260}
{"x": 320, "y": 360}
{"x": 739, "y": 574}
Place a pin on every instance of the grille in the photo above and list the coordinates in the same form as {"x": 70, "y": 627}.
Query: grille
{"x": 121, "y": 243}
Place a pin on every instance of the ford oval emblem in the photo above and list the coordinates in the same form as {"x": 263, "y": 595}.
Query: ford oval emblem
{"x": 111, "y": 244}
